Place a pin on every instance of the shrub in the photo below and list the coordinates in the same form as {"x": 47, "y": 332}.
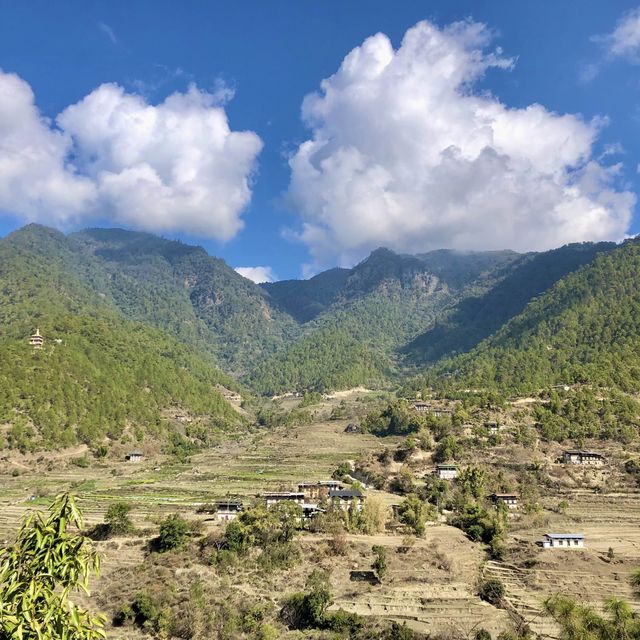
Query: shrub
{"x": 308, "y": 610}
{"x": 117, "y": 518}
{"x": 380, "y": 562}
{"x": 82, "y": 462}
{"x": 174, "y": 531}
{"x": 492, "y": 591}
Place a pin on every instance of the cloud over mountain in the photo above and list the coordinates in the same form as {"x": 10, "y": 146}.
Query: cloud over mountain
{"x": 408, "y": 152}
{"x": 172, "y": 166}
{"x": 257, "y": 274}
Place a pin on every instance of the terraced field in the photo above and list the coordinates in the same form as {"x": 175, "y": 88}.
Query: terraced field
{"x": 432, "y": 587}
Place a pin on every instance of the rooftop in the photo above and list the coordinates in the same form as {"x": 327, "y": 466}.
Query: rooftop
{"x": 563, "y": 536}
{"x": 345, "y": 493}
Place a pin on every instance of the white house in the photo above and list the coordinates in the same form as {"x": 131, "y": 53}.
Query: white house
{"x": 446, "y": 471}
{"x": 510, "y": 500}
{"x": 563, "y": 541}
{"x": 134, "y": 456}
{"x": 228, "y": 510}
{"x": 576, "y": 456}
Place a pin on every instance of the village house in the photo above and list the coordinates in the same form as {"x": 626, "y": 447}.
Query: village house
{"x": 446, "y": 471}
{"x": 345, "y": 498}
{"x": 283, "y": 496}
{"x": 228, "y": 510}
{"x": 492, "y": 427}
{"x": 510, "y": 500}
{"x": 577, "y": 456}
{"x": 134, "y": 456}
{"x": 563, "y": 541}
{"x": 425, "y": 407}
{"x": 36, "y": 340}
{"x": 319, "y": 489}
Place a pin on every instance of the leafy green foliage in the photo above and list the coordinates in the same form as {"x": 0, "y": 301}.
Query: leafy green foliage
{"x": 414, "y": 512}
{"x": 380, "y": 560}
{"x": 396, "y": 419}
{"x": 117, "y": 518}
{"x": 39, "y": 572}
{"x": 174, "y": 533}
{"x": 579, "y": 621}
{"x": 263, "y": 526}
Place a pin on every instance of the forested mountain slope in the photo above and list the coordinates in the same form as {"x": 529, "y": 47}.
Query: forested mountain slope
{"x": 382, "y": 302}
{"x": 584, "y": 329}
{"x": 372, "y": 324}
{"x": 477, "y": 317}
{"x": 392, "y": 312}
{"x": 181, "y": 288}
{"x": 98, "y": 373}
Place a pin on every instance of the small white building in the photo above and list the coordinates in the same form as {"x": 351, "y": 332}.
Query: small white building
{"x": 134, "y": 456}
{"x": 510, "y": 500}
{"x": 282, "y": 496}
{"x": 310, "y": 510}
{"x": 228, "y": 510}
{"x": 578, "y": 456}
{"x": 492, "y": 427}
{"x": 446, "y": 471}
{"x": 563, "y": 541}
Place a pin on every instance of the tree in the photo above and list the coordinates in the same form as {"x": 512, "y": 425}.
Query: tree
{"x": 117, "y": 518}
{"x": 472, "y": 480}
{"x": 492, "y": 591}
{"x": 380, "y": 561}
{"x": 413, "y": 512}
{"x": 174, "y": 531}
{"x": 580, "y": 622}
{"x": 38, "y": 573}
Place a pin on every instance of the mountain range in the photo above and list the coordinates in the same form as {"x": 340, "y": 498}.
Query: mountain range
{"x": 157, "y": 325}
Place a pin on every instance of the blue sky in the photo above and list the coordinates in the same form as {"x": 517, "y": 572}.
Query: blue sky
{"x": 273, "y": 54}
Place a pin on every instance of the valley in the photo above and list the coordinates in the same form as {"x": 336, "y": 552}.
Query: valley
{"x": 468, "y": 406}
{"x": 431, "y": 582}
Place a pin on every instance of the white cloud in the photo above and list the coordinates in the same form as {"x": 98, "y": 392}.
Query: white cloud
{"x": 257, "y": 274}
{"x": 406, "y": 152}
{"x": 624, "y": 40}
{"x": 167, "y": 167}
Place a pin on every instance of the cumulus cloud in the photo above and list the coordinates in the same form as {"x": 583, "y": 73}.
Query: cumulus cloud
{"x": 174, "y": 166}
{"x": 257, "y": 274}
{"x": 407, "y": 152}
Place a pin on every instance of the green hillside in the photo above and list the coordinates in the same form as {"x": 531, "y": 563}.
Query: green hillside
{"x": 585, "y": 329}
{"x": 374, "y": 324}
{"x": 388, "y": 301}
{"x": 477, "y": 317}
{"x": 198, "y": 298}
{"x": 98, "y": 374}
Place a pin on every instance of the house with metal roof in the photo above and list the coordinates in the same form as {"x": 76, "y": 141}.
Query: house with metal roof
{"x": 563, "y": 541}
